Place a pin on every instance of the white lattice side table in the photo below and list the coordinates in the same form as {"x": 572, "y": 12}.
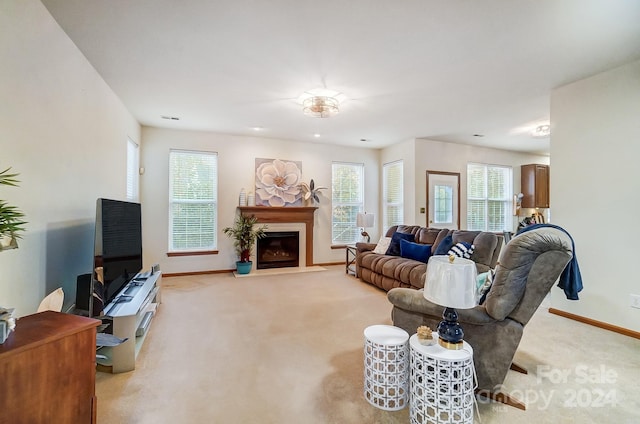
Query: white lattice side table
{"x": 441, "y": 385}
{"x": 386, "y": 367}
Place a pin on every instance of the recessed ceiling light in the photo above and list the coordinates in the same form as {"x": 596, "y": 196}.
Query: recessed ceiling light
{"x": 257, "y": 128}
{"x": 478, "y": 135}
{"x": 316, "y": 135}
{"x": 172, "y": 118}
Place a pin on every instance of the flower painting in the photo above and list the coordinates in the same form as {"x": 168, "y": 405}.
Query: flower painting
{"x": 278, "y": 182}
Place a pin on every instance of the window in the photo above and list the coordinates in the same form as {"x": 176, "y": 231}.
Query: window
{"x": 443, "y": 204}
{"x": 393, "y": 213}
{"x": 489, "y": 198}
{"x": 347, "y": 199}
{"x": 193, "y": 198}
{"x": 133, "y": 175}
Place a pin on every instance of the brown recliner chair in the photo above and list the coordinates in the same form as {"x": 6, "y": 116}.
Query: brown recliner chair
{"x": 528, "y": 267}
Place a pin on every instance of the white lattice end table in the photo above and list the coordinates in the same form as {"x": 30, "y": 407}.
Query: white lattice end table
{"x": 386, "y": 367}
{"x": 441, "y": 385}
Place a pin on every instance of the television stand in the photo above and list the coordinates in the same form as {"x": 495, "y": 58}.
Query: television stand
{"x": 130, "y": 320}
{"x": 123, "y": 299}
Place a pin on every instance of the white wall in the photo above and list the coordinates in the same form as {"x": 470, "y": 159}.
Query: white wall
{"x": 433, "y": 155}
{"x": 236, "y": 161}
{"x": 595, "y": 189}
{"x": 65, "y": 132}
{"x": 422, "y": 155}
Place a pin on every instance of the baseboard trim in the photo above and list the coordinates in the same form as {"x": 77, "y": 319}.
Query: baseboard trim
{"x": 184, "y": 274}
{"x": 330, "y": 263}
{"x": 595, "y": 323}
{"x": 224, "y": 271}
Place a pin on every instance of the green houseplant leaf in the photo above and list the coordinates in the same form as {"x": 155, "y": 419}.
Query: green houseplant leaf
{"x": 11, "y": 218}
{"x": 244, "y": 235}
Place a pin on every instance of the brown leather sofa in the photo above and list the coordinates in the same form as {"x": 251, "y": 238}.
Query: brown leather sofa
{"x": 387, "y": 272}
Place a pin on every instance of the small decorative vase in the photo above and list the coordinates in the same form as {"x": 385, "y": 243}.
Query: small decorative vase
{"x": 242, "y": 199}
{"x": 4, "y": 331}
{"x": 243, "y": 267}
{"x": 7, "y": 242}
{"x": 251, "y": 199}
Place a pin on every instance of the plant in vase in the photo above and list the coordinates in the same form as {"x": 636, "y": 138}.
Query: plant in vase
{"x": 244, "y": 237}
{"x": 310, "y": 192}
{"x": 11, "y": 223}
{"x": 7, "y": 323}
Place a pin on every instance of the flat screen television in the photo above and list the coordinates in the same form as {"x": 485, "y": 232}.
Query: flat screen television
{"x": 118, "y": 248}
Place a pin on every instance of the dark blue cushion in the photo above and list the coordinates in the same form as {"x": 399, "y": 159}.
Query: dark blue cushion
{"x": 394, "y": 246}
{"x": 444, "y": 246}
{"x": 416, "y": 251}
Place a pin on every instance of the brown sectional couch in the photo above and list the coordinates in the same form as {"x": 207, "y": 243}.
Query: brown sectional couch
{"x": 387, "y": 272}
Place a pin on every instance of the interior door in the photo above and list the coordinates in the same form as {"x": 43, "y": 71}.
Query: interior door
{"x": 443, "y": 200}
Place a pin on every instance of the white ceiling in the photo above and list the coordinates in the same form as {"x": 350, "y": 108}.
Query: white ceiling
{"x": 443, "y": 70}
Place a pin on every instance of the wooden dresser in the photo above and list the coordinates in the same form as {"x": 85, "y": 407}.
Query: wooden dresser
{"x": 48, "y": 370}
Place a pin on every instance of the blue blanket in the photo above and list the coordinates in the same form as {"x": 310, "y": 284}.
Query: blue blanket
{"x": 570, "y": 279}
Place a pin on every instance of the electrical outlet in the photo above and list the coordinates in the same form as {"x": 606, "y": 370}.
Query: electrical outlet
{"x": 635, "y": 301}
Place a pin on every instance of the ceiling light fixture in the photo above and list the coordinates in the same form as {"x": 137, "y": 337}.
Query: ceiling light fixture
{"x": 541, "y": 131}
{"x": 316, "y": 135}
{"x": 320, "y": 106}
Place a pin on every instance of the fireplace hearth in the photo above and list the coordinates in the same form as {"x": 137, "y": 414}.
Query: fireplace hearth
{"x": 279, "y": 249}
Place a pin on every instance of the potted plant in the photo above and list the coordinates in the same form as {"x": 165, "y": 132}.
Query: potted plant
{"x": 244, "y": 237}
{"x": 11, "y": 223}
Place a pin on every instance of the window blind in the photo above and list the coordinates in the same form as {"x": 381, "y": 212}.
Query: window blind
{"x": 489, "y": 197}
{"x": 133, "y": 176}
{"x": 393, "y": 189}
{"x": 347, "y": 200}
{"x": 193, "y": 197}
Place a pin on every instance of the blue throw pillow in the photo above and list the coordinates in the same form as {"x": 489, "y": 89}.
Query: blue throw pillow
{"x": 394, "y": 246}
{"x": 462, "y": 250}
{"x": 416, "y": 251}
{"x": 444, "y": 246}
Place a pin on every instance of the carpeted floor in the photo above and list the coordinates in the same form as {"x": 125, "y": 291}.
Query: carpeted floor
{"x": 288, "y": 349}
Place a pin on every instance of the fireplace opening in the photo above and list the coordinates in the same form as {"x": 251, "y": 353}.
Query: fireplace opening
{"x": 279, "y": 249}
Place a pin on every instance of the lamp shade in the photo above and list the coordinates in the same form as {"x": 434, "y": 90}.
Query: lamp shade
{"x": 364, "y": 220}
{"x": 451, "y": 284}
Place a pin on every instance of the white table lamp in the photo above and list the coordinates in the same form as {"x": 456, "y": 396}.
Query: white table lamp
{"x": 451, "y": 282}
{"x": 365, "y": 220}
